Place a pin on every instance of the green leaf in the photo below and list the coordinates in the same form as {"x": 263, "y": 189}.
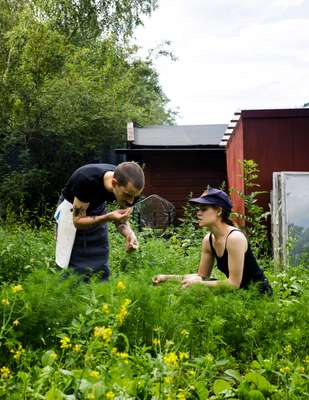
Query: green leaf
{"x": 220, "y": 386}
{"x": 54, "y": 394}
{"x": 201, "y": 390}
{"x": 255, "y": 365}
{"x": 48, "y": 358}
{"x": 260, "y": 381}
{"x": 255, "y": 395}
{"x": 233, "y": 374}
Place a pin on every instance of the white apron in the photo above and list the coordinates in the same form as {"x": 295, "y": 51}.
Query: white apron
{"x": 66, "y": 232}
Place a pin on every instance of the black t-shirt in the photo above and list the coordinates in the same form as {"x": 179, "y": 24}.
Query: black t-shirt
{"x": 87, "y": 185}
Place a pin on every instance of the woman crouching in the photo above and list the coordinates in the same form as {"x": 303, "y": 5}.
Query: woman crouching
{"x": 225, "y": 244}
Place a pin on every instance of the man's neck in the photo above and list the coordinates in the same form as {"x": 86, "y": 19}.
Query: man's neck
{"x": 107, "y": 180}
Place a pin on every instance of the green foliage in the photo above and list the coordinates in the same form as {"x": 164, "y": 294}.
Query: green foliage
{"x": 255, "y": 218}
{"x": 62, "y": 338}
{"x": 85, "y": 20}
{"x": 67, "y": 93}
{"x": 23, "y": 250}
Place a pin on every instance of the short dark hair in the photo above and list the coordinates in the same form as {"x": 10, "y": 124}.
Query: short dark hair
{"x": 225, "y": 216}
{"x": 130, "y": 171}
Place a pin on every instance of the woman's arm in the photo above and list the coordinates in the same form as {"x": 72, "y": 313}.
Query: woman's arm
{"x": 207, "y": 259}
{"x": 205, "y": 266}
{"x": 236, "y": 247}
{"x": 156, "y": 280}
{"x": 204, "y": 270}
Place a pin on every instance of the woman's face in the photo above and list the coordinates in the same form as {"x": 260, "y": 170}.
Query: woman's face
{"x": 207, "y": 215}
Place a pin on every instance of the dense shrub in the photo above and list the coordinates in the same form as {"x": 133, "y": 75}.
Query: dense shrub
{"x": 65, "y": 339}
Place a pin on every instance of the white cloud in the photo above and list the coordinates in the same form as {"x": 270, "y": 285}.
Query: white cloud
{"x": 232, "y": 54}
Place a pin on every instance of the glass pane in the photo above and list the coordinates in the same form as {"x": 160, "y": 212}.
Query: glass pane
{"x": 297, "y": 216}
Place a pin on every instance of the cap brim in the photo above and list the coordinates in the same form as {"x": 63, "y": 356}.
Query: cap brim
{"x": 200, "y": 200}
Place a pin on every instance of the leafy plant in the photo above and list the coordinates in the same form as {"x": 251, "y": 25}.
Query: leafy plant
{"x": 254, "y": 221}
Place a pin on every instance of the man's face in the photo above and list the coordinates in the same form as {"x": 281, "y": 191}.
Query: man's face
{"x": 125, "y": 195}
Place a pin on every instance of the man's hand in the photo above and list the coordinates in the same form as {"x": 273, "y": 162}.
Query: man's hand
{"x": 190, "y": 280}
{"x": 119, "y": 216}
{"x": 131, "y": 242}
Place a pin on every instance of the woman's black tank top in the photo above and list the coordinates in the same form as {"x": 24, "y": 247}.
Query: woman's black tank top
{"x": 251, "y": 273}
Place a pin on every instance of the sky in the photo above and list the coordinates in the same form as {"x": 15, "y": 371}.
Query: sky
{"x": 231, "y": 55}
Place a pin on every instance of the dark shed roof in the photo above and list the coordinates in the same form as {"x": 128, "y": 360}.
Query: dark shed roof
{"x": 179, "y": 135}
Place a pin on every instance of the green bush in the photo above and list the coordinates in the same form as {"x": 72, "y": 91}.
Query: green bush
{"x": 65, "y": 339}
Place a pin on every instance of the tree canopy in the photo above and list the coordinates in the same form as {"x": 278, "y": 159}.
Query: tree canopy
{"x": 69, "y": 82}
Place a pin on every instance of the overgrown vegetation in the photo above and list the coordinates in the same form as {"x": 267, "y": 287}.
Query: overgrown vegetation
{"x": 70, "y": 79}
{"x": 254, "y": 220}
{"x": 126, "y": 339}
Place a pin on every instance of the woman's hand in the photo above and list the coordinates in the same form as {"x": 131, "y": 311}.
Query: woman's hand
{"x": 156, "y": 280}
{"x": 190, "y": 280}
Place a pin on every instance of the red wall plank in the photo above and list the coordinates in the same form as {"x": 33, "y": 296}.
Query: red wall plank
{"x": 278, "y": 140}
{"x": 277, "y": 144}
{"x": 234, "y": 158}
{"x": 175, "y": 175}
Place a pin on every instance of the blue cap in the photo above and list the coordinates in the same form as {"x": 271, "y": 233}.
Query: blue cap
{"x": 214, "y": 197}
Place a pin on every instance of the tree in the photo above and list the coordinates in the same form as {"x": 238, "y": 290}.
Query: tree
{"x": 82, "y": 20}
{"x": 64, "y": 102}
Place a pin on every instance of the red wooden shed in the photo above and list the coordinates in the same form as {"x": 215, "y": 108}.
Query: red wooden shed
{"x": 276, "y": 139}
{"x": 178, "y": 160}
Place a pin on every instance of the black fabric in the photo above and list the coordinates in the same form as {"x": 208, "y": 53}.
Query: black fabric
{"x": 86, "y": 183}
{"x": 90, "y": 250}
{"x": 252, "y": 273}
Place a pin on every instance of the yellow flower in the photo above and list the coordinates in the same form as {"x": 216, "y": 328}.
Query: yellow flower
{"x": 16, "y": 322}
{"x": 114, "y": 350}
{"x": 123, "y": 356}
{"x": 126, "y": 303}
{"x": 104, "y": 333}
{"x": 110, "y": 395}
{"x": 123, "y": 312}
{"x": 105, "y": 308}
{"x": 301, "y": 370}
{"x": 17, "y": 355}
{"x": 181, "y": 395}
{"x": 184, "y": 333}
{"x": 90, "y": 396}
{"x": 77, "y": 348}
{"x": 156, "y": 342}
{"x": 285, "y": 370}
{"x": 18, "y": 352}
{"x": 65, "y": 343}
{"x": 5, "y": 372}
{"x": 94, "y": 374}
{"x": 17, "y": 288}
{"x": 120, "y": 285}
{"x": 183, "y": 356}
{"x": 288, "y": 349}
{"x": 171, "y": 359}
{"x": 5, "y": 302}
